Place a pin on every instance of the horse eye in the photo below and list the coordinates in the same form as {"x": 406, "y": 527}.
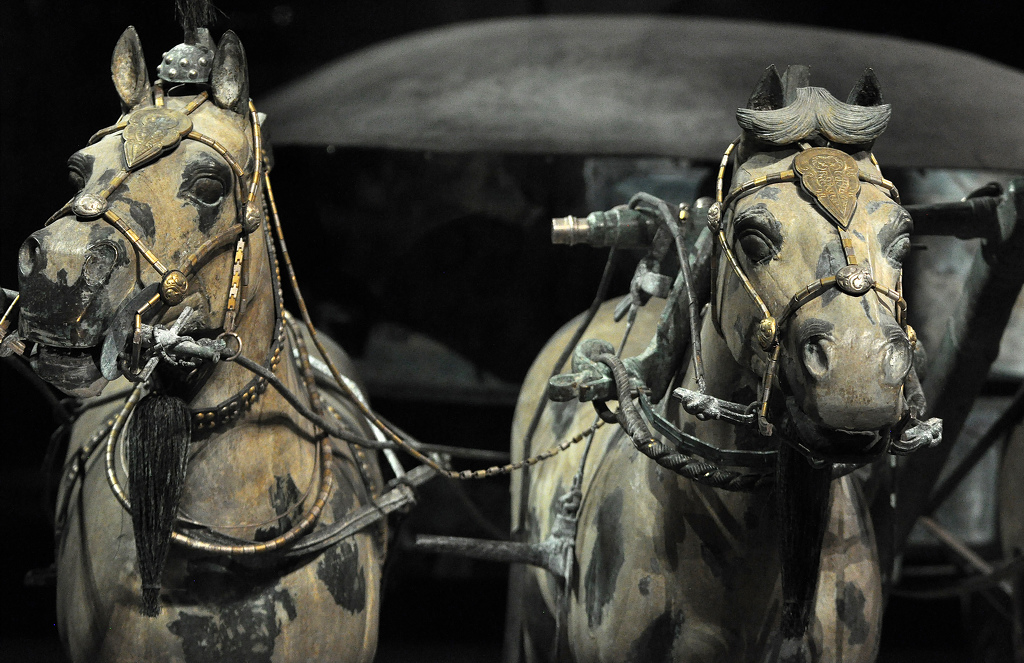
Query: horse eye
{"x": 758, "y": 248}
{"x": 76, "y": 180}
{"x": 758, "y": 233}
{"x": 898, "y": 249}
{"x": 208, "y": 190}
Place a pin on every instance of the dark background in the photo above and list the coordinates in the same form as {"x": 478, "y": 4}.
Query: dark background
{"x": 55, "y": 90}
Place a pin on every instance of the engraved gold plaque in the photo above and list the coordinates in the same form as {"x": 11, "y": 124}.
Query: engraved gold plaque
{"x": 832, "y": 178}
{"x": 151, "y": 132}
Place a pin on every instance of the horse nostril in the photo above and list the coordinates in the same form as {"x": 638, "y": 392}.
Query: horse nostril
{"x": 897, "y": 361}
{"x": 29, "y": 256}
{"x": 815, "y": 357}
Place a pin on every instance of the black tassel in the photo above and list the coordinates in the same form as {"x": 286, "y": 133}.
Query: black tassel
{"x": 158, "y": 438}
{"x": 193, "y": 14}
{"x": 802, "y": 501}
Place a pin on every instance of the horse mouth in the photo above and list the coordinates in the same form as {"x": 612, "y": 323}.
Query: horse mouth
{"x": 830, "y": 444}
{"x": 75, "y": 371}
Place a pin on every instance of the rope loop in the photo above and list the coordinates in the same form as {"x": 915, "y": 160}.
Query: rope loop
{"x": 685, "y": 465}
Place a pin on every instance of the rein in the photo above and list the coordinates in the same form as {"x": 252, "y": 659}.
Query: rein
{"x": 148, "y": 134}
{"x": 833, "y": 179}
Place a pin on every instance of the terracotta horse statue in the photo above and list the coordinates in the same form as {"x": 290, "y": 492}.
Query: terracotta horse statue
{"x": 738, "y": 533}
{"x": 210, "y": 507}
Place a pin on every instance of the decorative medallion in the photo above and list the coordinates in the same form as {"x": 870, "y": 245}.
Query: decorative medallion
{"x": 152, "y": 131}
{"x": 715, "y": 216}
{"x": 88, "y": 205}
{"x": 252, "y": 218}
{"x": 832, "y": 177}
{"x": 173, "y": 288}
{"x": 854, "y": 279}
{"x": 766, "y": 332}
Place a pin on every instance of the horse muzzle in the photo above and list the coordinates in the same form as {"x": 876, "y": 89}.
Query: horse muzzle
{"x": 849, "y": 379}
{"x": 829, "y": 444}
{"x": 72, "y": 278}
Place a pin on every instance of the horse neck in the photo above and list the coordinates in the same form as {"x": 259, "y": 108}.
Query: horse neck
{"x": 255, "y": 327}
{"x": 241, "y": 463}
{"x": 725, "y": 378}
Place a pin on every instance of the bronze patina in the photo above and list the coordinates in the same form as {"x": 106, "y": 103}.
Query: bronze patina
{"x": 169, "y": 287}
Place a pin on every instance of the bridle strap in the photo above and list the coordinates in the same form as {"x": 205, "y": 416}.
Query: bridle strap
{"x": 96, "y": 205}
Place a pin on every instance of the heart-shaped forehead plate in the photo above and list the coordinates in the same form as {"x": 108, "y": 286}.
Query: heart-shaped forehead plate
{"x": 832, "y": 177}
{"x": 151, "y": 132}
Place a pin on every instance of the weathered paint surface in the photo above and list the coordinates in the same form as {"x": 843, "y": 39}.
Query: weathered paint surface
{"x": 251, "y": 480}
{"x": 667, "y": 569}
{"x": 672, "y": 571}
{"x": 214, "y": 608}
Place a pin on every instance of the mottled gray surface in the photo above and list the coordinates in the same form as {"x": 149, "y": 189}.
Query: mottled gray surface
{"x": 941, "y": 269}
{"x": 639, "y": 85}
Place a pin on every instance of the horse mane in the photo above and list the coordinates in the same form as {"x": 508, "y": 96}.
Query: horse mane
{"x": 785, "y": 109}
{"x": 816, "y": 112}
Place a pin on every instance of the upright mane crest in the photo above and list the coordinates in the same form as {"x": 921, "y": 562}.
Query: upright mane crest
{"x": 813, "y": 111}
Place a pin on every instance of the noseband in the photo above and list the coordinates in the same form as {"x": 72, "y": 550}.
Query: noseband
{"x": 833, "y": 179}
{"x": 148, "y": 134}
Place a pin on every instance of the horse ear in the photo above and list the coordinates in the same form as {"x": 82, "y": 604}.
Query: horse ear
{"x": 866, "y": 92}
{"x": 767, "y": 94}
{"x": 796, "y": 77}
{"x": 229, "y": 80}
{"x": 128, "y": 69}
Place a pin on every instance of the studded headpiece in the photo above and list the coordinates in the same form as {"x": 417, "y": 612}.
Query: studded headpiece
{"x": 190, "y": 62}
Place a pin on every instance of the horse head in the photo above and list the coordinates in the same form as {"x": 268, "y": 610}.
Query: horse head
{"x": 815, "y": 236}
{"x": 160, "y": 196}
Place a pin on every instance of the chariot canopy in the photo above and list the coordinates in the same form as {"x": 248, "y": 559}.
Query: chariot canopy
{"x": 638, "y": 85}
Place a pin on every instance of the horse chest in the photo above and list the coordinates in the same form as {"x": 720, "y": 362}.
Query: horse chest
{"x": 214, "y": 609}
{"x": 668, "y": 570}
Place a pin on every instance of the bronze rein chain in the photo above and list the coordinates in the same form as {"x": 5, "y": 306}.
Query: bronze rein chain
{"x": 174, "y": 286}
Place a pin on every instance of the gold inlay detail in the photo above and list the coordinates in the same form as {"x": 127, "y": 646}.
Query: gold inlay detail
{"x": 832, "y": 177}
{"x": 152, "y": 131}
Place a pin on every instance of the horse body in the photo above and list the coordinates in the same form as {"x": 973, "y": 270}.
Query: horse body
{"x": 254, "y": 464}
{"x": 665, "y": 568}
{"x": 261, "y": 474}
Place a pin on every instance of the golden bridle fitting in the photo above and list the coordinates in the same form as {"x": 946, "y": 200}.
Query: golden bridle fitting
{"x": 833, "y": 179}
{"x": 148, "y": 134}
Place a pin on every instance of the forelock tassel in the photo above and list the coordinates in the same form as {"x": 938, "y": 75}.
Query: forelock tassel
{"x": 157, "y": 448}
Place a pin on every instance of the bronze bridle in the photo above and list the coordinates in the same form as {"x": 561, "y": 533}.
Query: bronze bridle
{"x": 833, "y": 179}
{"x": 173, "y": 126}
